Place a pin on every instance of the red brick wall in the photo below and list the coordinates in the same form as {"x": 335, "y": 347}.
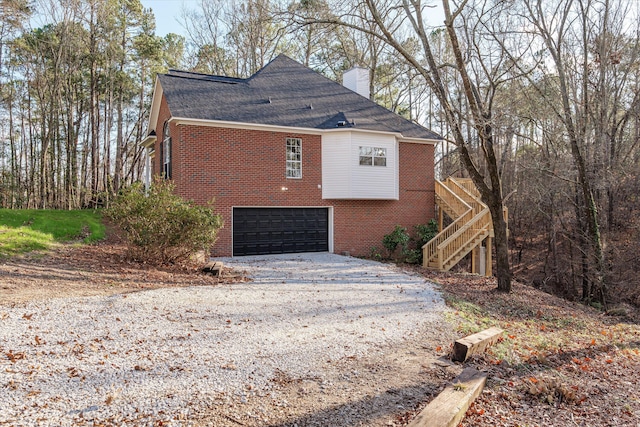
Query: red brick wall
{"x": 241, "y": 167}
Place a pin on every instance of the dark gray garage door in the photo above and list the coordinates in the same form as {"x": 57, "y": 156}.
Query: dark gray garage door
{"x": 259, "y": 231}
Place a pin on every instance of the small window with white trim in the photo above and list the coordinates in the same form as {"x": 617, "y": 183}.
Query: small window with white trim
{"x": 373, "y": 156}
{"x": 294, "y": 158}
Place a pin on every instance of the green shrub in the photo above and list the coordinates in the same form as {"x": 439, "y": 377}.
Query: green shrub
{"x": 413, "y": 256}
{"x": 397, "y": 238}
{"x": 410, "y": 248}
{"x": 425, "y": 232}
{"x": 161, "y": 227}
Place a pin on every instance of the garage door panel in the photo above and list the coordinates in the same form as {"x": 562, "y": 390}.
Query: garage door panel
{"x": 259, "y": 231}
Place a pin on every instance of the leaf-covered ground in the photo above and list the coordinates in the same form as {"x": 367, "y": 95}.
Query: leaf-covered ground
{"x": 559, "y": 363}
{"x": 97, "y": 269}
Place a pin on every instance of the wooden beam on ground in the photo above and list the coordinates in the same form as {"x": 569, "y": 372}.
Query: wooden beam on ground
{"x": 450, "y": 406}
{"x": 214, "y": 268}
{"x": 474, "y": 344}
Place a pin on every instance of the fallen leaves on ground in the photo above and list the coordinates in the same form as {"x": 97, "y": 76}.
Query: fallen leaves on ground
{"x": 97, "y": 269}
{"x": 562, "y": 363}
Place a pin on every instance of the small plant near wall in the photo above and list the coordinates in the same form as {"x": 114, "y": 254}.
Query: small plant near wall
{"x": 409, "y": 248}
{"x": 375, "y": 253}
{"x": 397, "y": 239}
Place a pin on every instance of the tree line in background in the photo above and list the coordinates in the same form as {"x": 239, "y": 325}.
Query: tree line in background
{"x": 538, "y": 101}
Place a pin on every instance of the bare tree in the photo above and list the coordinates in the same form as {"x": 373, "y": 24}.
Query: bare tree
{"x": 585, "y": 84}
{"x": 479, "y": 68}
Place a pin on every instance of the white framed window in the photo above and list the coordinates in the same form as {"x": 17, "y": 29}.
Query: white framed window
{"x": 373, "y": 156}
{"x": 166, "y": 152}
{"x": 294, "y": 158}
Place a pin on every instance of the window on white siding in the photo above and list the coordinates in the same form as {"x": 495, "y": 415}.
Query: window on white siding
{"x": 373, "y": 156}
{"x": 294, "y": 158}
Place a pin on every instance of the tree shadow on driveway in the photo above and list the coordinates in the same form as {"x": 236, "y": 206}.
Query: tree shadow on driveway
{"x": 391, "y": 407}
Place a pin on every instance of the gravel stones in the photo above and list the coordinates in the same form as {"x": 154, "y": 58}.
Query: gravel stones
{"x": 167, "y": 354}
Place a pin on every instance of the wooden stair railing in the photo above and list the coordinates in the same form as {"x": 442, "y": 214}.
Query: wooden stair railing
{"x": 460, "y": 188}
{"x": 431, "y": 251}
{"x": 468, "y": 185}
{"x": 460, "y": 200}
{"x": 463, "y": 241}
{"x": 450, "y": 202}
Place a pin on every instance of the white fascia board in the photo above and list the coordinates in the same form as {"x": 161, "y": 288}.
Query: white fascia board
{"x": 419, "y": 141}
{"x": 155, "y": 106}
{"x": 149, "y": 141}
{"x": 398, "y": 135}
{"x": 242, "y": 125}
{"x": 289, "y": 129}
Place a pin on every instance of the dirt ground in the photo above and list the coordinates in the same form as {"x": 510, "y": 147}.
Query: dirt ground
{"x": 566, "y": 364}
{"x": 99, "y": 269}
{"x": 385, "y": 389}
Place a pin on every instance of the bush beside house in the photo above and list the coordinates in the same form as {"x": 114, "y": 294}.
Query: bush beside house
{"x": 161, "y": 227}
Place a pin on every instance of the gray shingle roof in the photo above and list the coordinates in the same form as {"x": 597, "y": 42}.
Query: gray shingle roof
{"x": 282, "y": 93}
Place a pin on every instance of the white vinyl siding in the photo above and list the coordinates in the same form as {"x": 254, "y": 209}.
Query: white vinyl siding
{"x": 336, "y": 166}
{"x": 343, "y": 176}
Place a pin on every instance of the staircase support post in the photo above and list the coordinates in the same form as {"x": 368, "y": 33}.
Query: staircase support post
{"x": 474, "y": 260}
{"x": 488, "y": 269}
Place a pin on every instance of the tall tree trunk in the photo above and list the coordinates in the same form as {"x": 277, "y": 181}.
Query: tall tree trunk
{"x": 94, "y": 111}
{"x": 481, "y": 113}
{"x": 575, "y": 124}
{"x": 492, "y": 195}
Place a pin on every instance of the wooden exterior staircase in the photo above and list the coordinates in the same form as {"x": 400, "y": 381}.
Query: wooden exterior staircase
{"x": 471, "y": 225}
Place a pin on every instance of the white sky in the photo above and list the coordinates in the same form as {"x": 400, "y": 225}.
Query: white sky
{"x": 167, "y": 13}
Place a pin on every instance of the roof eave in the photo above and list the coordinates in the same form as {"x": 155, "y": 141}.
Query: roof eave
{"x": 149, "y": 141}
{"x": 280, "y": 128}
{"x": 431, "y": 141}
{"x": 242, "y": 125}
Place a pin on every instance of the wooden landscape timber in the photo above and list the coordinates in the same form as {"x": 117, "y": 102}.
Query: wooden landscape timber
{"x": 213, "y": 268}
{"x": 450, "y": 406}
{"x": 474, "y": 344}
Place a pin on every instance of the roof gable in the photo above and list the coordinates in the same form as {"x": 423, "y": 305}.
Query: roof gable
{"x": 283, "y": 93}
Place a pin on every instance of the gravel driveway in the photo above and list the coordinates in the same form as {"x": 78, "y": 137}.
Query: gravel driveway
{"x": 172, "y": 354}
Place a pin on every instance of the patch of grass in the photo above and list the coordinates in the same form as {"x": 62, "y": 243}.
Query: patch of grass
{"x": 468, "y": 317}
{"x": 537, "y": 327}
{"x": 21, "y": 240}
{"x": 27, "y": 230}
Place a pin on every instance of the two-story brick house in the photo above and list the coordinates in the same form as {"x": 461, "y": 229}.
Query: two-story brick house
{"x": 295, "y": 161}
